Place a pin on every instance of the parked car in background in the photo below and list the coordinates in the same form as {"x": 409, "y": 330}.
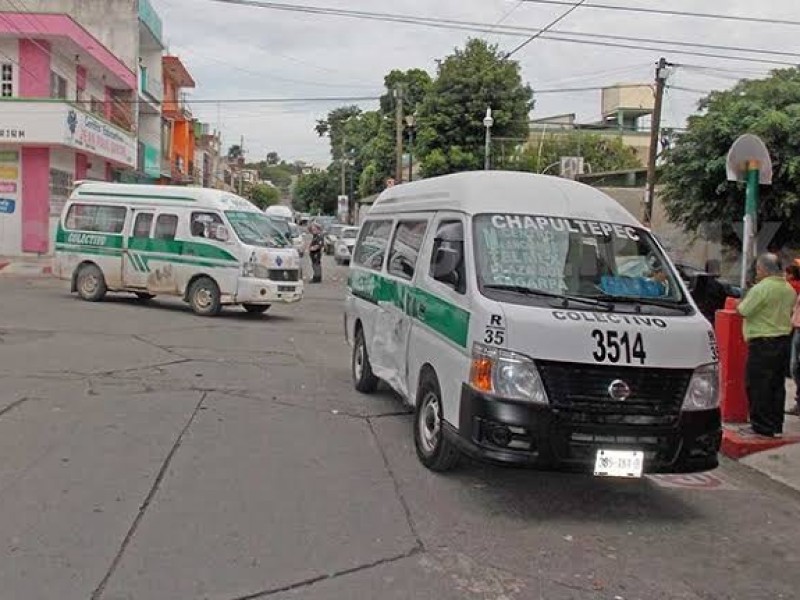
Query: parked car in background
{"x": 331, "y": 237}
{"x": 345, "y": 244}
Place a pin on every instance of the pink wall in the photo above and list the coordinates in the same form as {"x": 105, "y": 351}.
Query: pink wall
{"x": 22, "y": 25}
{"x": 81, "y": 166}
{"x": 80, "y": 78}
{"x": 34, "y": 72}
{"x": 35, "y": 199}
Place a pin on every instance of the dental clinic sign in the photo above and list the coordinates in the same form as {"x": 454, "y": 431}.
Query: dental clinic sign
{"x": 84, "y": 132}
{"x": 51, "y": 123}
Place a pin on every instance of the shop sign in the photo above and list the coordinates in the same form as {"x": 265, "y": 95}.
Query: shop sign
{"x": 87, "y": 133}
{"x": 7, "y": 206}
{"x": 11, "y": 133}
{"x": 9, "y": 156}
{"x": 152, "y": 161}
{"x": 8, "y": 187}
{"x": 9, "y": 172}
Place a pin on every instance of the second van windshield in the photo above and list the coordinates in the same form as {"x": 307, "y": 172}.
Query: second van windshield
{"x": 577, "y": 257}
{"x": 255, "y": 229}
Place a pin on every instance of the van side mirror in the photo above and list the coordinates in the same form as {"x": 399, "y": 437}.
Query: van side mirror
{"x": 445, "y": 264}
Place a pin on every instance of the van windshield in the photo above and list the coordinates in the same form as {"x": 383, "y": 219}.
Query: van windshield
{"x": 575, "y": 257}
{"x": 255, "y": 229}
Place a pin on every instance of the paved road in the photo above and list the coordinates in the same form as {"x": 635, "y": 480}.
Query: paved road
{"x": 151, "y": 454}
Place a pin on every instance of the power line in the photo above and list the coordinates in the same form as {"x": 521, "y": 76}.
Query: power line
{"x": 544, "y": 29}
{"x": 676, "y": 13}
{"x": 485, "y": 28}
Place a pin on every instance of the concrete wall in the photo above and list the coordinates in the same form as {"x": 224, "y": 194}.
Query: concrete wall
{"x": 114, "y": 22}
{"x": 680, "y": 246}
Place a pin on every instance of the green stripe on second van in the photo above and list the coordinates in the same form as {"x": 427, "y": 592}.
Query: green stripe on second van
{"x": 447, "y": 319}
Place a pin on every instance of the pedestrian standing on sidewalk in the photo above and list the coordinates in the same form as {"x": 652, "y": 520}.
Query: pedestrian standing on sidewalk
{"x": 794, "y": 361}
{"x": 767, "y": 311}
{"x": 315, "y": 251}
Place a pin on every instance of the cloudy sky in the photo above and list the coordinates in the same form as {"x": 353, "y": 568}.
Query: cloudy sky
{"x": 249, "y": 52}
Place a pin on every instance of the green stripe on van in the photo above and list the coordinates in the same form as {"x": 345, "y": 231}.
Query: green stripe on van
{"x": 445, "y": 318}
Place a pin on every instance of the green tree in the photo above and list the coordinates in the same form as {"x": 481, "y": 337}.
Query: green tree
{"x": 696, "y": 190}
{"x": 273, "y": 158}
{"x": 316, "y": 192}
{"x": 263, "y": 195}
{"x": 600, "y": 153}
{"x": 450, "y": 119}
{"x": 235, "y": 152}
{"x": 414, "y": 83}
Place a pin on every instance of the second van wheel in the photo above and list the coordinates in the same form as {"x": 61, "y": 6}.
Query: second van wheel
{"x": 205, "y": 298}
{"x": 364, "y": 379}
{"x": 90, "y": 283}
{"x": 434, "y": 450}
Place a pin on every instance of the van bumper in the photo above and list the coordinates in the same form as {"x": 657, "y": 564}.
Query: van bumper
{"x": 543, "y": 437}
{"x": 265, "y": 291}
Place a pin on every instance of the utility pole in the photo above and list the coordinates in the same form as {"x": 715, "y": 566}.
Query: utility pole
{"x": 398, "y": 92}
{"x": 241, "y": 166}
{"x": 655, "y": 130}
{"x": 344, "y": 165}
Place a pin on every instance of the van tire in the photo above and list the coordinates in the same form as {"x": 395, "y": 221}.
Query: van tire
{"x": 434, "y": 450}
{"x": 256, "y": 309}
{"x": 90, "y": 283}
{"x": 364, "y": 379}
{"x": 205, "y": 298}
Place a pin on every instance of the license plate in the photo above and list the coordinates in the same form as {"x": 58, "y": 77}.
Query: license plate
{"x": 285, "y": 288}
{"x": 619, "y": 463}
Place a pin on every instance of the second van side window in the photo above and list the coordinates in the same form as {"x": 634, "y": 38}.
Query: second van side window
{"x": 141, "y": 227}
{"x": 95, "y": 217}
{"x": 372, "y": 244}
{"x": 166, "y": 227}
{"x": 450, "y": 237}
{"x": 405, "y": 248}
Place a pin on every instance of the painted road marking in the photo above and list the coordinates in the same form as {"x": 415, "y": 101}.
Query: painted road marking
{"x": 693, "y": 481}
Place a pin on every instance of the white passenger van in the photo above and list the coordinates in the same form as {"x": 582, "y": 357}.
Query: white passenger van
{"x": 531, "y": 320}
{"x": 209, "y": 247}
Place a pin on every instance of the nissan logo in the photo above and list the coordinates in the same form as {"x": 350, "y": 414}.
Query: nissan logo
{"x": 619, "y": 390}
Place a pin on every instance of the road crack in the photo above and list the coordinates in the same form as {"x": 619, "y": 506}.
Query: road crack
{"x": 329, "y": 576}
{"x": 98, "y": 592}
{"x": 14, "y": 405}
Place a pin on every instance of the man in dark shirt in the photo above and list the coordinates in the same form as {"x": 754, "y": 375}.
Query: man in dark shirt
{"x": 315, "y": 251}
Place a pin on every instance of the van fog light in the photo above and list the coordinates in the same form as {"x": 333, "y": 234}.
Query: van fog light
{"x": 500, "y": 435}
{"x": 263, "y": 292}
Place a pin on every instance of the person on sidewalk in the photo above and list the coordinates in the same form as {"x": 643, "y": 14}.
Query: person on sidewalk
{"x": 315, "y": 251}
{"x": 767, "y": 311}
{"x": 793, "y": 276}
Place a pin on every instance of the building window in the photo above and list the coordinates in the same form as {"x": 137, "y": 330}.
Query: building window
{"x": 93, "y": 217}
{"x": 6, "y": 80}
{"x": 60, "y": 188}
{"x": 96, "y": 107}
{"x": 58, "y": 86}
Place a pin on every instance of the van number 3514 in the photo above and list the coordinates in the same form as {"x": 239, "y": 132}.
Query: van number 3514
{"x": 613, "y": 347}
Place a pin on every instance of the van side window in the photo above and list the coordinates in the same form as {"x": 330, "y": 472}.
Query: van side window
{"x": 449, "y": 238}
{"x": 166, "y": 227}
{"x": 202, "y": 224}
{"x": 405, "y": 248}
{"x": 141, "y": 228}
{"x": 94, "y": 217}
{"x": 372, "y": 244}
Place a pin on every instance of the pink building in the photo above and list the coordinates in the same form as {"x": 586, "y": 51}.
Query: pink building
{"x": 67, "y": 113}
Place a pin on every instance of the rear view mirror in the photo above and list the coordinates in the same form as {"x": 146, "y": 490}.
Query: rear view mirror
{"x": 445, "y": 264}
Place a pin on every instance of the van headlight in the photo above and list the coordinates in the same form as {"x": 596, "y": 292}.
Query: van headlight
{"x": 703, "y": 391}
{"x": 506, "y": 374}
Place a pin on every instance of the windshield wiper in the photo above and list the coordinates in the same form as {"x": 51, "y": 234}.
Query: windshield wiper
{"x": 565, "y": 298}
{"x": 683, "y": 307}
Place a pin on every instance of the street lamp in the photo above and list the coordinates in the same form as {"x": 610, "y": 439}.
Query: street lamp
{"x": 488, "y": 122}
{"x": 411, "y": 123}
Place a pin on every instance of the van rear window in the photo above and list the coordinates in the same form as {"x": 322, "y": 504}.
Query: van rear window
{"x": 96, "y": 217}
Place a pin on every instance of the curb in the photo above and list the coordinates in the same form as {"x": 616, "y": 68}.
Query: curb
{"x": 24, "y": 269}
{"x": 737, "y": 445}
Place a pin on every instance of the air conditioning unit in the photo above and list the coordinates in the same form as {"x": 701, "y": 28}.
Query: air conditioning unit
{"x": 571, "y": 166}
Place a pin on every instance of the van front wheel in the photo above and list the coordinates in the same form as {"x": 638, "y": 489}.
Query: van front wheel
{"x": 204, "y": 297}
{"x": 90, "y": 283}
{"x": 363, "y": 377}
{"x": 434, "y": 450}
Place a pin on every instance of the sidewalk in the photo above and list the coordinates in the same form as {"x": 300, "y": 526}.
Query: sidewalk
{"x": 27, "y": 266}
{"x": 783, "y": 463}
